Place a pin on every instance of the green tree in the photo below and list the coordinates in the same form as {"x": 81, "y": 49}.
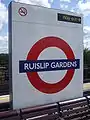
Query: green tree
{"x": 4, "y": 59}
{"x": 86, "y": 57}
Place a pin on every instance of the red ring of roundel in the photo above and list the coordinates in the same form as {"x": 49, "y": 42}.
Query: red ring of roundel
{"x": 33, "y": 54}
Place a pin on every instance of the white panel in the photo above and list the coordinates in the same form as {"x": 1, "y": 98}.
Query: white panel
{"x": 26, "y": 31}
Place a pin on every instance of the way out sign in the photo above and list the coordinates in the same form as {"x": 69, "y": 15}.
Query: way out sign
{"x": 46, "y": 55}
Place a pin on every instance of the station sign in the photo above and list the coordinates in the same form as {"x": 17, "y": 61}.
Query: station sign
{"x": 46, "y": 55}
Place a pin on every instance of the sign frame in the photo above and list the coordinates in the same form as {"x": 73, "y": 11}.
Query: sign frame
{"x": 10, "y": 9}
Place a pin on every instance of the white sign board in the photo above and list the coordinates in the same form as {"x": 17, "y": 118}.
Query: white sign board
{"x": 46, "y": 48}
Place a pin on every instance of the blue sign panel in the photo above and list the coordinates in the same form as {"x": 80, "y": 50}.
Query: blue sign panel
{"x": 48, "y": 65}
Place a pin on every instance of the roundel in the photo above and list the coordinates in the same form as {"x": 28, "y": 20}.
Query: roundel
{"x": 34, "y": 78}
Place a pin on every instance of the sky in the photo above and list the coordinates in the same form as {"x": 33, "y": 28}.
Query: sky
{"x": 79, "y": 6}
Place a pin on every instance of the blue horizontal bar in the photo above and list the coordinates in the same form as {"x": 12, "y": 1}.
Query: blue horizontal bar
{"x": 48, "y": 65}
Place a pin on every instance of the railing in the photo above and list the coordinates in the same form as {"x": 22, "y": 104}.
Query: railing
{"x": 78, "y": 109}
